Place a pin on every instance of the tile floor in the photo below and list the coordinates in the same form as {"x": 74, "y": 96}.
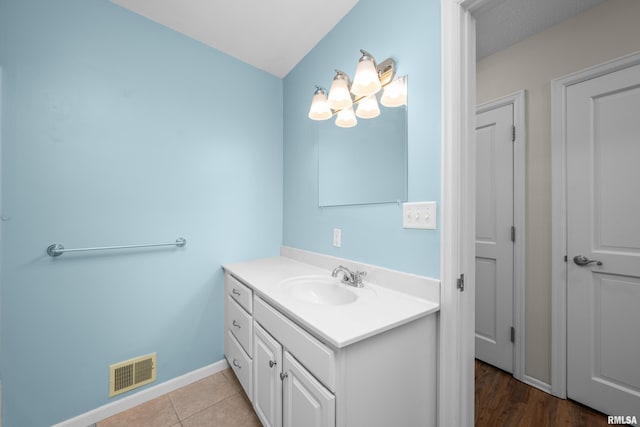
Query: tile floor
{"x": 217, "y": 400}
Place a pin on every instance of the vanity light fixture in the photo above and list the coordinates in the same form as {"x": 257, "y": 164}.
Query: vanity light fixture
{"x": 319, "y": 106}
{"x": 346, "y": 118}
{"x": 366, "y": 81}
{"x": 395, "y": 93}
{"x": 368, "y": 107}
{"x": 339, "y": 96}
{"x": 369, "y": 79}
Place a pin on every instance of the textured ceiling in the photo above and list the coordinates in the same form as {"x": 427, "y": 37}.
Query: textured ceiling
{"x": 273, "y": 35}
{"x": 509, "y": 21}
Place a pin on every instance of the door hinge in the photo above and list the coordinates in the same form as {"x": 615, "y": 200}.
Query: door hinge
{"x": 513, "y": 233}
{"x": 460, "y": 283}
{"x": 513, "y": 334}
{"x": 513, "y": 134}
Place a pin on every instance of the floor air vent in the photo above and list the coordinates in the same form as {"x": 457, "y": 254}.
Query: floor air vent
{"x": 132, "y": 373}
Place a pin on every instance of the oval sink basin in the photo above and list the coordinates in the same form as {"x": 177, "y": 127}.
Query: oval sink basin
{"x": 319, "y": 290}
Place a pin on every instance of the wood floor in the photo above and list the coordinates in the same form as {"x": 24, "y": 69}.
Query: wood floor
{"x": 503, "y": 401}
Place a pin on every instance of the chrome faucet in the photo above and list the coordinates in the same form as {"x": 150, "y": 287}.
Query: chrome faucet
{"x": 349, "y": 277}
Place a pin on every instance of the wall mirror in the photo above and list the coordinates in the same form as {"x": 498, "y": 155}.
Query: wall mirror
{"x": 365, "y": 164}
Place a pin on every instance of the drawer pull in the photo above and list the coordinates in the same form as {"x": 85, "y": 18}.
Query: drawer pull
{"x": 236, "y": 364}
{"x": 235, "y": 291}
{"x": 272, "y": 363}
{"x": 283, "y": 375}
{"x": 236, "y": 324}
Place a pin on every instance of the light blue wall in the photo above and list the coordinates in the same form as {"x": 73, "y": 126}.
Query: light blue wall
{"x": 408, "y": 31}
{"x": 119, "y": 131}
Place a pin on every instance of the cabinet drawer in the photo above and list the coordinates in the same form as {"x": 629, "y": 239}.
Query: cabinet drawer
{"x": 239, "y": 322}
{"x": 239, "y": 362}
{"x": 239, "y": 292}
{"x": 318, "y": 358}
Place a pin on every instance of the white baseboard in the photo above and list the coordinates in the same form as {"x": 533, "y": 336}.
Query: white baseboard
{"x": 534, "y": 382}
{"x": 110, "y": 409}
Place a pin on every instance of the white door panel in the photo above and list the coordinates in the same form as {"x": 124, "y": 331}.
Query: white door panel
{"x": 486, "y": 297}
{"x": 267, "y": 385}
{"x": 306, "y": 402}
{"x": 494, "y": 248}
{"x": 603, "y": 211}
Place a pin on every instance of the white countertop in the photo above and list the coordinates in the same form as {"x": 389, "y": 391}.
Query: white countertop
{"x": 376, "y": 310}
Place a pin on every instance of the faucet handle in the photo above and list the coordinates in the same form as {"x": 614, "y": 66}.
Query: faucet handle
{"x": 357, "y": 277}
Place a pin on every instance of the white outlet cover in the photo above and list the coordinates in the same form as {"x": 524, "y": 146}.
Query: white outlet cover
{"x": 420, "y": 215}
{"x": 337, "y": 237}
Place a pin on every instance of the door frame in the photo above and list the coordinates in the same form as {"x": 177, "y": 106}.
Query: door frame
{"x": 457, "y": 309}
{"x": 457, "y": 207}
{"x": 559, "y": 267}
{"x": 2, "y": 219}
{"x": 518, "y": 100}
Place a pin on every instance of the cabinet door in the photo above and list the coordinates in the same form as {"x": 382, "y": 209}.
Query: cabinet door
{"x": 306, "y": 402}
{"x": 267, "y": 385}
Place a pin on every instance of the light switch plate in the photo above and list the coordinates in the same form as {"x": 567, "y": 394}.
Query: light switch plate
{"x": 421, "y": 215}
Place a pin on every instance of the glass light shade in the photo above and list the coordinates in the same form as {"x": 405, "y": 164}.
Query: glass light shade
{"x": 339, "y": 96}
{"x": 368, "y": 107}
{"x": 395, "y": 93}
{"x": 319, "y": 107}
{"x": 346, "y": 118}
{"x": 366, "y": 81}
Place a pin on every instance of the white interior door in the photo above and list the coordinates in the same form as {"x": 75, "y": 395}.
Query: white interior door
{"x": 603, "y": 226}
{"x": 494, "y": 244}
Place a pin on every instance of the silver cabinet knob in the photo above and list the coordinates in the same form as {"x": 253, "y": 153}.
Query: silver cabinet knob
{"x": 272, "y": 363}
{"x": 236, "y": 324}
{"x": 283, "y": 375}
{"x": 236, "y": 364}
{"x": 582, "y": 260}
{"x": 235, "y": 291}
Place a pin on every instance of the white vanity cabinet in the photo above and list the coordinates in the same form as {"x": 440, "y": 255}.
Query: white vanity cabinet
{"x": 285, "y": 392}
{"x": 295, "y": 378}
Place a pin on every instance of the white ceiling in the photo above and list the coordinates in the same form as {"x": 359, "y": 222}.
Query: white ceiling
{"x": 273, "y": 35}
{"x": 507, "y": 22}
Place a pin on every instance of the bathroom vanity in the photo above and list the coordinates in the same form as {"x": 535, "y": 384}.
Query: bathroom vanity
{"x": 312, "y": 351}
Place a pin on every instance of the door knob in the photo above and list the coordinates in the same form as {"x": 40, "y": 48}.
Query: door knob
{"x": 582, "y": 260}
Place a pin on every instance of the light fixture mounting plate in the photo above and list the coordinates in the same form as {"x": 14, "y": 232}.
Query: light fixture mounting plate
{"x": 386, "y": 71}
